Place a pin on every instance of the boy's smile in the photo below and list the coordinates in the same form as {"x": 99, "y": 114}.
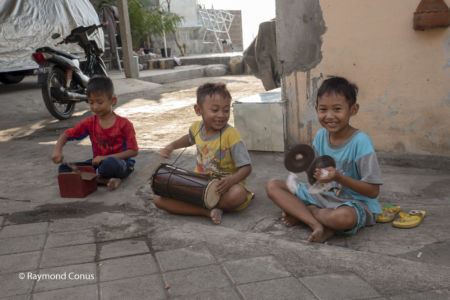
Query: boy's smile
{"x": 215, "y": 112}
{"x": 334, "y": 114}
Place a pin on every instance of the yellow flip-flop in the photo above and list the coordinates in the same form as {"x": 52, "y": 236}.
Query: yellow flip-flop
{"x": 389, "y": 213}
{"x": 409, "y": 220}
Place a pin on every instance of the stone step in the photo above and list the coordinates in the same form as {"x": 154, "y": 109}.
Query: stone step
{"x": 182, "y": 73}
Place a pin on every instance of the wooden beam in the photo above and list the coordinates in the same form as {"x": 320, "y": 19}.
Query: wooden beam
{"x": 129, "y": 61}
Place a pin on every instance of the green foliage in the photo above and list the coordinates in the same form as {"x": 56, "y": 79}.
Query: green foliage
{"x": 139, "y": 22}
{"x": 146, "y": 21}
{"x": 165, "y": 21}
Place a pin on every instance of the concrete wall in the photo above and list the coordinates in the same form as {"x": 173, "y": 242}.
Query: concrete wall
{"x": 192, "y": 36}
{"x": 188, "y": 10}
{"x": 403, "y": 75}
{"x": 235, "y": 32}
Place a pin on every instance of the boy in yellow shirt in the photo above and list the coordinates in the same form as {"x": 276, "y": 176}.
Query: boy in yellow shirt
{"x": 219, "y": 150}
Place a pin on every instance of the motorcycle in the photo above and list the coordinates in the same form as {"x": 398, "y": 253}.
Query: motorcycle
{"x": 63, "y": 78}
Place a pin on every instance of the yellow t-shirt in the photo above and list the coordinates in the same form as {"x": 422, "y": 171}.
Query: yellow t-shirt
{"x": 222, "y": 154}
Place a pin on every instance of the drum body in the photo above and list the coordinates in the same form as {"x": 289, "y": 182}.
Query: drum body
{"x": 197, "y": 189}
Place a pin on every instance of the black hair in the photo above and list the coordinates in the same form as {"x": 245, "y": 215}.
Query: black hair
{"x": 339, "y": 86}
{"x": 100, "y": 84}
{"x": 209, "y": 89}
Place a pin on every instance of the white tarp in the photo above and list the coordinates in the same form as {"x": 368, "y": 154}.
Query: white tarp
{"x": 29, "y": 24}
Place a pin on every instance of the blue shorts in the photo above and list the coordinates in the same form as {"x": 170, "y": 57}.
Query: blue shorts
{"x": 329, "y": 200}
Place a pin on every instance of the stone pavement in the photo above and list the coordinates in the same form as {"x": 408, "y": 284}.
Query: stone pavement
{"x": 79, "y": 265}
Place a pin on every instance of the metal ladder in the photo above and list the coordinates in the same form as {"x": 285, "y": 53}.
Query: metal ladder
{"x": 217, "y": 22}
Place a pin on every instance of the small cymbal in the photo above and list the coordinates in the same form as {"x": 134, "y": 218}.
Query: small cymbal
{"x": 321, "y": 162}
{"x": 299, "y": 158}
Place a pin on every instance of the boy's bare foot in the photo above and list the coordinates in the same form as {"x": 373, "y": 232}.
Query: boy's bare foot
{"x": 216, "y": 215}
{"x": 289, "y": 220}
{"x": 113, "y": 183}
{"x": 320, "y": 235}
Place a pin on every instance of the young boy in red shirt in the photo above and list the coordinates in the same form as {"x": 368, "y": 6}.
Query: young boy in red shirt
{"x": 112, "y": 136}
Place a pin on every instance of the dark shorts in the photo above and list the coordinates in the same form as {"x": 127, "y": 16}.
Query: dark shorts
{"x": 111, "y": 167}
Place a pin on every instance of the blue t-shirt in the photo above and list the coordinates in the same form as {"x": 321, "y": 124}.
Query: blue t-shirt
{"x": 355, "y": 158}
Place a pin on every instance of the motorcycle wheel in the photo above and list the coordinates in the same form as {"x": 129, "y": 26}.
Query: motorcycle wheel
{"x": 59, "y": 109}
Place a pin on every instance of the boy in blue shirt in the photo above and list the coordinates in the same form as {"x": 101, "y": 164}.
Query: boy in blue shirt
{"x": 353, "y": 201}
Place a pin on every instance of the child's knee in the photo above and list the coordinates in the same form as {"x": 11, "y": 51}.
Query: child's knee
{"x": 238, "y": 192}
{"x": 111, "y": 167}
{"x": 234, "y": 197}
{"x": 273, "y": 186}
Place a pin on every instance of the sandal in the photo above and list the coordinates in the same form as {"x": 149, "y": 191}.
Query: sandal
{"x": 409, "y": 220}
{"x": 389, "y": 213}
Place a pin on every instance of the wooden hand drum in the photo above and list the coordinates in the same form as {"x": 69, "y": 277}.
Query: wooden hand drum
{"x": 176, "y": 183}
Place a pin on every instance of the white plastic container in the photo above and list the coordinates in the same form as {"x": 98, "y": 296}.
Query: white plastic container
{"x": 260, "y": 121}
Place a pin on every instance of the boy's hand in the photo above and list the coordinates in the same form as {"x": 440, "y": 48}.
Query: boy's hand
{"x": 166, "y": 151}
{"x": 97, "y": 160}
{"x": 224, "y": 185}
{"x": 57, "y": 157}
{"x": 326, "y": 174}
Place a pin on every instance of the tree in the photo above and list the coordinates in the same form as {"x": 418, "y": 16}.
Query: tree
{"x": 146, "y": 21}
{"x": 174, "y": 28}
{"x": 140, "y": 22}
{"x": 166, "y": 21}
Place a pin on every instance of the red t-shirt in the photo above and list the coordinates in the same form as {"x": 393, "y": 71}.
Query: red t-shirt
{"x": 117, "y": 138}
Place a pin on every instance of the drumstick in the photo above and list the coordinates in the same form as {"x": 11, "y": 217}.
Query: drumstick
{"x": 84, "y": 174}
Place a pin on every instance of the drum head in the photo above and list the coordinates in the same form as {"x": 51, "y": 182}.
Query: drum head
{"x": 299, "y": 158}
{"x": 211, "y": 198}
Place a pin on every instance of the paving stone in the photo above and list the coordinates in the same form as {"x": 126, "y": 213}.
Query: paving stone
{"x": 123, "y": 248}
{"x": 69, "y": 255}
{"x": 11, "y": 284}
{"x": 19, "y": 262}
{"x": 23, "y": 230}
{"x": 70, "y": 238}
{"x": 65, "y": 277}
{"x": 255, "y": 269}
{"x": 194, "y": 256}
{"x": 284, "y": 288}
{"x": 434, "y": 295}
{"x": 196, "y": 280}
{"x": 17, "y": 297}
{"x": 145, "y": 287}
{"x": 22, "y": 244}
{"x": 216, "y": 294}
{"x": 85, "y": 292}
{"x": 339, "y": 286}
{"x": 67, "y": 225}
{"x": 127, "y": 267}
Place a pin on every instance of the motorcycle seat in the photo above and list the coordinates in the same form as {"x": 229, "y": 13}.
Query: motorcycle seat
{"x": 60, "y": 52}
